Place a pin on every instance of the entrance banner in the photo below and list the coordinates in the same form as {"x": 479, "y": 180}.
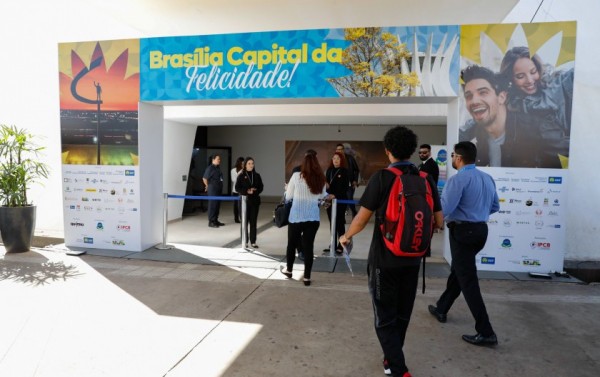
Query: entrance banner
{"x": 324, "y": 63}
{"x": 515, "y": 105}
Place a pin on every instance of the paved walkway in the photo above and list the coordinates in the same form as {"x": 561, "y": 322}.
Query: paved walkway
{"x": 229, "y": 312}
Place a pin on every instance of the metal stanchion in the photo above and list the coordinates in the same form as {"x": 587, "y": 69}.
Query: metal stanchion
{"x": 244, "y": 199}
{"x": 163, "y": 245}
{"x": 333, "y": 241}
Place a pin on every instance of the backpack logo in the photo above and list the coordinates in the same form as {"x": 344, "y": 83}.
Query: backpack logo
{"x": 407, "y": 221}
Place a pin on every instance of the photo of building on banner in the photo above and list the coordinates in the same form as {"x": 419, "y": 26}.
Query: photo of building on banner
{"x": 517, "y": 93}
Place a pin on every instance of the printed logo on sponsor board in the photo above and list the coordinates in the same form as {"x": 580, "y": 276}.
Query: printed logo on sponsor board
{"x": 488, "y": 260}
{"x": 556, "y": 203}
{"x": 89, "y": 240}
{"x": 540, "y": 245}
{"x": 555, "y": 180}
{"x": 124, "y": 228}
{"x": 503, "y": 189}
{"x": 501, "y": 200}
{"x": 506, "y": 244}
{"x": 507, "y": 223}
{"x": 118, "y": 242}
{"x": 515, "y": 201}
{"x": 539, "y": 224}
{"x": 129, "y": 173}
{"x": 99, "y": 226}
{"x": 539, "y": 212}
{"x": 77, "y": 224}
{"x": 522, "y": 223}
{"x": 531, "y": 262}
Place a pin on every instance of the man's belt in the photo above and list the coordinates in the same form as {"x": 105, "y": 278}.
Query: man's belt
{"x": 453, "y": 223}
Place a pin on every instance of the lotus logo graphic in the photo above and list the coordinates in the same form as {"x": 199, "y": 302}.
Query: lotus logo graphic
{"x": 506, "y": 243}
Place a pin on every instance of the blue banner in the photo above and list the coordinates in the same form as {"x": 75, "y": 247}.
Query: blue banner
{"x": 325, "y": 63}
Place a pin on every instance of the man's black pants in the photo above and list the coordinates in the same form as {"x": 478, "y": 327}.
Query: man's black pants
{"x": 466, "y": 240}
{"x": 393, "y": 294}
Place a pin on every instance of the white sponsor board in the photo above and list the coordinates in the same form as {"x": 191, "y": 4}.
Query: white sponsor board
{"x": 102, "y": 206}
{"x": 528, "y": 233}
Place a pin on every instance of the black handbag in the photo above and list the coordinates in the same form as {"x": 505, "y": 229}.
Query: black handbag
{"x": 281, "y": 214}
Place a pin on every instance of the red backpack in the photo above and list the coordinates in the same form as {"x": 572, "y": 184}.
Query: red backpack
{"x": 407, "y": 224}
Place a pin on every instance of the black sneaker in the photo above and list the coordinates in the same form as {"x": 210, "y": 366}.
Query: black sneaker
{"x": 386, "y": 368}
{"x": 219, "y": 223}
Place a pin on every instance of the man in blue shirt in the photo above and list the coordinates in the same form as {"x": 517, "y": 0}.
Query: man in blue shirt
{"x": 468, "y": 199}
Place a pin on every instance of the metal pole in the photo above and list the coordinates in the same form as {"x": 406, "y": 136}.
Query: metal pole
{"x": 163, "y": 245}
{"x": 244, "y": 199}
{"x": 333, "y": 241}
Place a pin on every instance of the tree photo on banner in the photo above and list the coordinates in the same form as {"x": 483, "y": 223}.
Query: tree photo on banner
{"x": 515, "y": 105}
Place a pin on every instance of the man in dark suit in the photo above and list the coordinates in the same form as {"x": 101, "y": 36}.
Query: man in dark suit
{"x": 428, "y": 164}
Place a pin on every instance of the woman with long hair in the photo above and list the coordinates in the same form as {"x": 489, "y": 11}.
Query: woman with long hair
{"x": 338, "y": 181}
{"x": 249, "y": 184}
{"x": 305, "y": 189}
{"x": 536, "y": 89}
{"x": 234, "y": 174}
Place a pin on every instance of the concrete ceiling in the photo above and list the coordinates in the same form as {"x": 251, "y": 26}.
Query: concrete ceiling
{"x": 152, "y": 18}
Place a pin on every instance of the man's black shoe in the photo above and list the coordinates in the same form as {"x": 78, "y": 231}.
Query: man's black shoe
{"x": 213, "y": 225}
{"x": 480, "y": 340}
{"x": 441, "y": 317}
{"x": 219, "y": 223}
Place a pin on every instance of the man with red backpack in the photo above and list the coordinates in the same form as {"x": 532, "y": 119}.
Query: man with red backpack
{"x": 393, "y": 274}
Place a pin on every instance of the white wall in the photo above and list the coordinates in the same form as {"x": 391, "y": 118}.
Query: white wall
{"x": 30, "y": 32}
{"x": 178, "y": 144}
{"x": 150, "y": 143}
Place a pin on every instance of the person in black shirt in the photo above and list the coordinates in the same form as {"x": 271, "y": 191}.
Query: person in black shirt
{"x": 337, "y": 184}
{"x": 353, "y": 172}
{"x": 250, "y": 184}
{"x": 428, "y": 164}
{"x": 213, "y": 180}
{"x": 392, "y": 280}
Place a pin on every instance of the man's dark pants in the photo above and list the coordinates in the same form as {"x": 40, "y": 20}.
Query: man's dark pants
{"x": 393, "y": 294}
{"x": 466, "y": 240}
{"x": 214, "y": 205}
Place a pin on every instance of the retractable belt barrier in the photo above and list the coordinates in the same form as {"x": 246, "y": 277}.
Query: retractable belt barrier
{"x": 243, "y": 198}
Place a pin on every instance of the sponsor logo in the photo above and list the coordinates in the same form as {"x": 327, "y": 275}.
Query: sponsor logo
{"x": 552, "y": 213}
{"x": 545, "y": 202}
{"x": 85, "y": 199}
{"x": 515, "y": 201}
{"x": 503, "y": 189}
{"x": 118, "y": 242}
{"x": 538, "y": 191}
{"x": 507, "y": 223}
{"x": 96, "y": 200}
{"x": 540, "y": 245}
{"x": 518, "y": 190}
{"x": 492, "y": 222}
{"x": 531, "y": 262}
{"x": 77, "y": 224}
{"x": 539, "y": 224}
{"x": 66, "y": 180}
{"x": 88, "y": 208}
{"x": 88, "y": 240}
{"x": 552, "y": 191}
{"x": 99, "y": 226}
{"x": 529, "y": 202}
{"x": 418, "y": 236}
{"x": 91, "y": 190}
{"x": 501, "y": 200}
{"x": 488, "y": 260}
{"x": 506, "y": 244}
{"x": 522, "y": 213}
{"x": 129, "y": 173}
{"x": 505, "y": 212}
{"x": 555, "y": 226}
{"x": 539, "y": 212}
{"x": 556, "y": 203}
{"x": 522, "y": 222}
{"x": 555, "y": 180}
{"x": 124, "y": 228}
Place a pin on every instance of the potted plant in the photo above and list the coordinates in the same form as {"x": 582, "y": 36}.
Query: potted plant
{"x": 20, "y": 167}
